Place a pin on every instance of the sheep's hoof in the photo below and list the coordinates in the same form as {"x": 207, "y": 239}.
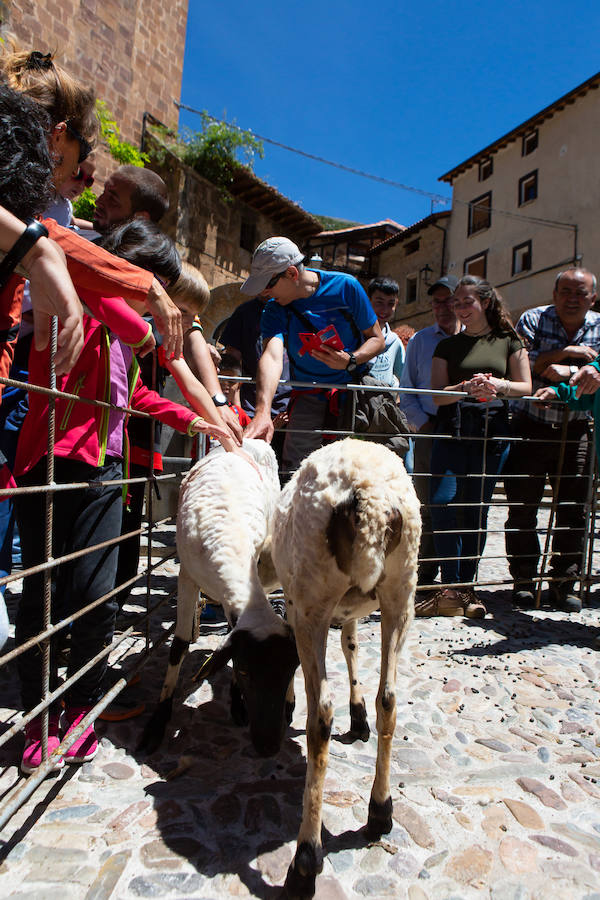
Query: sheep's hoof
{"x": 359, "y": 726}
{"x": 289, "y": 711}
{"x": 302, "y": 874}
{"x": 380, "y": 819}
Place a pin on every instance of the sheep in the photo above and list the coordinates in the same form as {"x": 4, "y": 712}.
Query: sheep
{"x": 345, "y": 541}
{"x": 223, "y": 521}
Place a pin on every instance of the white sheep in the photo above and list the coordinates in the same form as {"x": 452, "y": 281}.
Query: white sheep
{"x": 345, "y": 542}
{"x": 223, "y": 524}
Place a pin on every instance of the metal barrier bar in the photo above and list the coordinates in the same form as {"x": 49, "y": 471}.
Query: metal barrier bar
{"x": 17, "y": 797}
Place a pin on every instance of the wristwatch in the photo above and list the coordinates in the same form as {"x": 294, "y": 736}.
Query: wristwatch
{"x": 219, "y": 399}
{"x": 573, "y": 369}
{"x": 352, "y": 364}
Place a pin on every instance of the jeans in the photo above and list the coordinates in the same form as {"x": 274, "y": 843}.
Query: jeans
{"x": 428, "y": 564}
{"x": 460, "y": 530}
{"x": 82, "y": 518}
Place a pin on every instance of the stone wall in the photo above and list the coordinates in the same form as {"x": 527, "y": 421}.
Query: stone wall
{"x": 400, "y": 265}
{"x": 208, "y": 232}
{"x": 130, "y": 51}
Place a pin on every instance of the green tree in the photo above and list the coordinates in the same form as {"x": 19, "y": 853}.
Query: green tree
{"x": 214, "y": 152}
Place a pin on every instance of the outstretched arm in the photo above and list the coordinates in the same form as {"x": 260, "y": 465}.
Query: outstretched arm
{"x": 270, "y": 367}
{"x": 52, "y": 292}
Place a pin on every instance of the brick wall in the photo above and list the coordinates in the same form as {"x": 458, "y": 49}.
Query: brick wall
{"x": 130, "y": 51}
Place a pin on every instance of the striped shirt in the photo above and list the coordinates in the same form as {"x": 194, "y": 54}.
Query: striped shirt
{"x": 542, "y": 331}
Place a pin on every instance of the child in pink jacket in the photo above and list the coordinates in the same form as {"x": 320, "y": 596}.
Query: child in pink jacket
{"x": 90, "y": 449}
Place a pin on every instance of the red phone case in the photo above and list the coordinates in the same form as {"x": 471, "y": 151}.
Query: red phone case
{"x": 312, "y": 341}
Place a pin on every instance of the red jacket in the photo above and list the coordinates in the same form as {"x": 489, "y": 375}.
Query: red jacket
{"x": 90, "y": 267}
{"x": 81, "y": 429}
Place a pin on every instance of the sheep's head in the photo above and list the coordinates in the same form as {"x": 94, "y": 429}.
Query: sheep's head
{"x": 263, "y": 670}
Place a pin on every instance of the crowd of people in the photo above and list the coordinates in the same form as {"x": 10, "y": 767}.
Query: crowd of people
{"x": 128, "y": 312}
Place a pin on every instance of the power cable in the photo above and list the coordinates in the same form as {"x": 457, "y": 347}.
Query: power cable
{"x": 436, "y": 198}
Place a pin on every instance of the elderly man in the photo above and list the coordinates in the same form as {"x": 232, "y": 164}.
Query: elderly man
{"x": 306, "y": 301}
{"x": 420, "y": 410}
{"x": 560, "y": 338}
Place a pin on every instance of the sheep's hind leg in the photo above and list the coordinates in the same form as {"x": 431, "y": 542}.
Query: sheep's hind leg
{"x": 395, "y": 619}
{"x": 359, "y": 726}
{"x": 308, "y": 860}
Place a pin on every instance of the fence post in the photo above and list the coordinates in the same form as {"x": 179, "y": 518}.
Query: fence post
{"x": 48, "y": 573}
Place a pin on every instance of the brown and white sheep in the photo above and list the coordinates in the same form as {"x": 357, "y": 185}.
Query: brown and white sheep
{"x": 345, "y": 541}
{"x": 223, "y": 523}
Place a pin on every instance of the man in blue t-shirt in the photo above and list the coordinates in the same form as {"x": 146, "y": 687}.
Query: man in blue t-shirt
{"x": 305, "y": 301}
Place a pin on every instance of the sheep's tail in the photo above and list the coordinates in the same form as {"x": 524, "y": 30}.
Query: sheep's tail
{"x": 362, "y": 532}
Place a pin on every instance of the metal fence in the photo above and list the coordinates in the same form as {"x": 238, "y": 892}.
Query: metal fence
{"x": 148, "y": 646}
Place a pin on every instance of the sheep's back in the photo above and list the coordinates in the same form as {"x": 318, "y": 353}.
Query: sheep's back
{"x": 223, "y": 520}
{"x": 328, "y": 478}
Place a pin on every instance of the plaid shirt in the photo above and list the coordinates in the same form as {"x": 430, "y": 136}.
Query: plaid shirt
{"x": 542, "y": 331}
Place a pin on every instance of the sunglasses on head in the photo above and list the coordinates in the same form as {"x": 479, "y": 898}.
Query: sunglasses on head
{"x": 88, "y": 180}
{"x": 85, "y": 148}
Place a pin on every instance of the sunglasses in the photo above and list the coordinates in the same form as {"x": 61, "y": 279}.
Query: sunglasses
{"x": 85, "y": 148}
{"x": 270, "y": 284}
{"x": 88, "y": 180}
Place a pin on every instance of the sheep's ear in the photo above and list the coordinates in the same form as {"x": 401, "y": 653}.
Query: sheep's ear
{"x": 215, "y": 661}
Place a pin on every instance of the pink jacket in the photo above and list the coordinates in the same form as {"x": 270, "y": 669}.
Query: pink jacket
{"x": 81, "y": 429}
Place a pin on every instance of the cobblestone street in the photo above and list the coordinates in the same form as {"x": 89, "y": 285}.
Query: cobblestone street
{"x": 495, "y": 775}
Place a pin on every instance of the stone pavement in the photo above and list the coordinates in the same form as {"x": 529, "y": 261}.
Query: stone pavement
{"x": 495, "y": 774}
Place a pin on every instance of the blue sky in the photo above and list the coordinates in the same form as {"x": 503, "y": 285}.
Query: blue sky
{"x": 405, "y": 92}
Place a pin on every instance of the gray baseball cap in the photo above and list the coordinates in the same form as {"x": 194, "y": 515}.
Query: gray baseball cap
{"x": 270, "y": 258}
{"x": 447, "y": 281}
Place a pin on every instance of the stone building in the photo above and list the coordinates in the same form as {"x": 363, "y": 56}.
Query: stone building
{"x": 349, "y": 249}
{"x": 527, "y": 205}
{"x": 414, "y": 258}
{"x": 218, "y": 235}
{"x": 130, "y": 53}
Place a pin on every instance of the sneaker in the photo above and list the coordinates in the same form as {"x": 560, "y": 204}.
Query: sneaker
{"x": 32, "y": 752}
{"x": 86, "y": 746}
{"x": 444, "y": 602}
{"x": 561, "y": 596}
{"x": 473, "y": 607}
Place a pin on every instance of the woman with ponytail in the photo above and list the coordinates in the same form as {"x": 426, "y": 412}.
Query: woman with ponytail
{"x": 488, "y": 363}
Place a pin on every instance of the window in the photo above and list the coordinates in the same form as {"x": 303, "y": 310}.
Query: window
{"x": 480, "y": 213}
{"x": 412, "y": 247}
{"x": 411, "y": 288}
{"x": 528, "y": 187}
{"x": 248, "y": 235}
{"x": 521, "y": 259}
{"x": 476, "y": 265}
{"x": 530, "y": 142}
{"x": 486, "y": 168}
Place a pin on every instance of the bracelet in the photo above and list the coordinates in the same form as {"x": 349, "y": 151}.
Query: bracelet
{"x": 33, "y": 232}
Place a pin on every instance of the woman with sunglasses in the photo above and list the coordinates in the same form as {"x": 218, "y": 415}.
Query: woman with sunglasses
{"x": 70, "y": 107}
{"x": 70, "y": 190}
{"x": 487, "y": 362}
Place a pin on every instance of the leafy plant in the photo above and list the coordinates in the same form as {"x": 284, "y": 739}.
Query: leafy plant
{"x": 85, "y": 205}
{"x": 330, "y": 223}
{"x": 214, "y": 152}
{"x": 125, "y": 153}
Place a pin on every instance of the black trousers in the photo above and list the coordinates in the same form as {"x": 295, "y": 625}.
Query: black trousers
{"x": 82, "y": 518}
{"x": 129, "y": 550}
{"x": 537, "y": 457}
